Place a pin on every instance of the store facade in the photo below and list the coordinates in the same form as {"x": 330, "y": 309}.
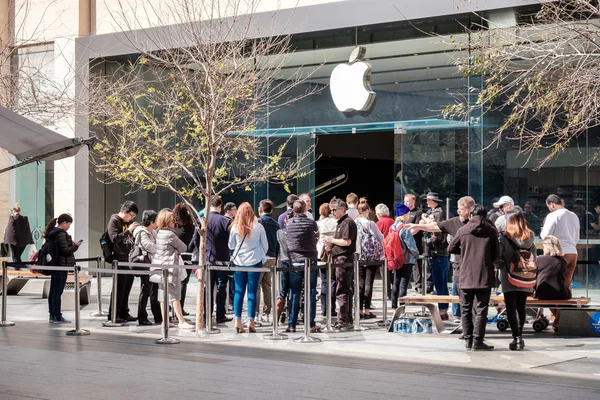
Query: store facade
{"x": 402, "y": 144}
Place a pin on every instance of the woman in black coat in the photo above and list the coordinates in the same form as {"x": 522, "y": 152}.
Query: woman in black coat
{"x": 184, "y": 228}
{"x": 17, "y": 233}
{"x": 63, "y": 248}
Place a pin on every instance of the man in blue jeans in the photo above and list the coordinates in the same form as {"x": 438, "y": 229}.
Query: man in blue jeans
{"x": 302, "y": 235}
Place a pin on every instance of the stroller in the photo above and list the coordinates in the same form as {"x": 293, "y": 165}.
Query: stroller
{"x": 533, "y": 315}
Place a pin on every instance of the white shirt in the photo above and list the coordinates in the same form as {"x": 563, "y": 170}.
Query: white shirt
{"x": 352, "y": 213}
{"x": 563, "y": 224}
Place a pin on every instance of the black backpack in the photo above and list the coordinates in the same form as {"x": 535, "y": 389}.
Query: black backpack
{"x": 48, "y": 255}
{"x": 107, "y": 247}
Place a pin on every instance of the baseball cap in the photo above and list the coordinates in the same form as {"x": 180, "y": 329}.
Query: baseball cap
{"x": 504, "y": 200}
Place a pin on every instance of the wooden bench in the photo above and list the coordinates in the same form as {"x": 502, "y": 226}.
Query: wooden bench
{"x": 16, "y": 280}
{"x": 430, "y": 303}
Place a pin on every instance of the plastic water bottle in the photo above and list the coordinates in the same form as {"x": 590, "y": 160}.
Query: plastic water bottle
{"x": 418, "y": 327}
{"x": 408, "y": 325}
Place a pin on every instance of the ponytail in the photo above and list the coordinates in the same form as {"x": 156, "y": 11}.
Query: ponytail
{"x": 49, "y": 227}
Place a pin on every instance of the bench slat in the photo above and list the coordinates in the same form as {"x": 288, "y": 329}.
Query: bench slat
{"x": 494, "y": 299}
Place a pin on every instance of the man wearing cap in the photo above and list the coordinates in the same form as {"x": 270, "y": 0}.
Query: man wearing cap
{"x": 451, "y": 226}
{"x": 504, "y": 205}
{"x": 414, "y": 217}
{"x": 436, "y": 250}
{"x": 401, "y": 277}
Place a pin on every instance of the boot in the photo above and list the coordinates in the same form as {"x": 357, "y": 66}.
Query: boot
{"x": 468, "y": 344}
{"x": 517, "y": 344}
{"x": 482, "y": 347}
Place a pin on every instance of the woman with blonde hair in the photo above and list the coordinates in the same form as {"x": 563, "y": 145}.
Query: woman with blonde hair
{"x": 552, "y": 268}
{"x": 248, "y": 242}
{"x": 168, "y": 250}
{"x": 515, "y": 238}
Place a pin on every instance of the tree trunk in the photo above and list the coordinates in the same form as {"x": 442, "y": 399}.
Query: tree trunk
{"x": 201, "y": 307}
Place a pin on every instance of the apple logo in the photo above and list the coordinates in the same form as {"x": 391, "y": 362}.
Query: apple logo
{"x": 350, "y": 84}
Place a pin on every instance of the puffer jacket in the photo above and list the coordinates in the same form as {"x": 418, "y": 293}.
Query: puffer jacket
{"x": 145, "y": 241}
{"x": 302, "y": 234}
{"x": 65, "y": 246}
{"x": 168, "y": 249}
{"x": 507, "y": 252}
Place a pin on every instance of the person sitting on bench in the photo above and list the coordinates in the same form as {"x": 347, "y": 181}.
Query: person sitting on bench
{"x": 552, "y": 268}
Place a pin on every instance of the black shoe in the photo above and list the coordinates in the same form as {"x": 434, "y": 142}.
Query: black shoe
{"x": 324, "y": 313}
{"x": 145, "y": 322}
{"x": 185, "y": 313}
{"x": 468, "y": 344}
{"x": 334, "y": 313}
{"x": 130, "y": 318}
{"x": 517, "y": 344}
{"x": 222, "y": 320}
{"x": 482, "y": 347}
{"x": 369, "y": 316}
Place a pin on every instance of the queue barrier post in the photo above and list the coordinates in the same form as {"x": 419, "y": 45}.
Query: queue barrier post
{"x": 357, "y": 326}
{"x": 275, "y": 335}
{"x": 77, "y": 331}
{"x": 100, "y": 312}
{"x": 384, "y": 276}
{"x": 112, "y": 323}
{"x": 208, "y": 296}
{"x": 4, "y": 321}
{"x": 165, "y": 324}
{"x": 307, "y": 299}
{"x": 328, "y": 305}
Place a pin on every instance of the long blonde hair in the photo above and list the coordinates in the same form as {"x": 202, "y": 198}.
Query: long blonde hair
{"x": 165, "y": 217}
{"x": 244, "y": 220}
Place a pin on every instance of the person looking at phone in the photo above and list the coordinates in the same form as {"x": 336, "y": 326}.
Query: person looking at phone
{"x": 120, "y": 230}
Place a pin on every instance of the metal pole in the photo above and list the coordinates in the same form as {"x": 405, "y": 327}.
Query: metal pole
{"x": 165, "y": 325}
{"x": 208, "y": 304}
{"x": 307, "y": 296}
{"x": 4, "y": 321}
{"x": 275, "y": 335}
{"x": 100, "y": 313}
{"x": 357, "y": 326}
{"x": 77, "y": 331}
{"x": 113, "y": 321}
{"x": 384, "y": 275}
{"x": 329, "y": 328}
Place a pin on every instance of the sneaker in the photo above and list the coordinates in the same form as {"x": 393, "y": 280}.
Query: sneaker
{"x": 51, "y": 319}
{"x": 61, "y": 320}
{"x": 482, "y": 347}
{"x": 369, "y": 316}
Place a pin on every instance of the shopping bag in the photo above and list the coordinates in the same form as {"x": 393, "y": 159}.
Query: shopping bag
{"x": 32, "y": 256}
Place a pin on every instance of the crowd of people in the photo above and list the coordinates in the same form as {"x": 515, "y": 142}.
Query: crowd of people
{"x": 482, "y": 248}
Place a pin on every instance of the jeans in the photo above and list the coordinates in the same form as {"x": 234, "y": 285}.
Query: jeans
{"x": 295, "y": 280}
{"x": 516, "y": 302}
{"x": 476, "y": 300}
{"x": 313, "y": 295}
{"x": 439, "y": 270}
{"x": 455, "y": 292}
{"x": 366, "y": 279}
{"x": 401, "y": 279}
{"x": 284, "y": 281}
{"x": 231, "y": 284}
{"x": 324, "y": 290}
{"x": 148, "y": 290}
{"x": 58, "y": 279}
{"x": 220, "y": 280}
{"x": 243, "y": 279}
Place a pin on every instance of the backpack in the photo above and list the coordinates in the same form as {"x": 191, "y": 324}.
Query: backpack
{"x": 107, "y": 247}
{"x": 522, "y": 269}
{"x": 48, "y": 255}
{"x": 394, "y": 250}
{"x": 370, "y": 248}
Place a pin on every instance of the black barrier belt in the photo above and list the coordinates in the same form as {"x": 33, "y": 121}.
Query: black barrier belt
{"x": 584, "y": 262}
{"x": 312, "y": 267}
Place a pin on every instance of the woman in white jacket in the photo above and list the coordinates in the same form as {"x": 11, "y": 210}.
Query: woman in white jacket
{"x": 168, "y": 249}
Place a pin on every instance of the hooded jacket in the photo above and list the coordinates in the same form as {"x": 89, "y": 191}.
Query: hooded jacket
{"x": 122, "y": 239}
{"x": 64, "y": 245}
{"x": 507, "y": 252}
{"x": 477, "y": 243}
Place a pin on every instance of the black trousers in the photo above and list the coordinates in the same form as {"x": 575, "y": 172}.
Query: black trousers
{"x": 418, "y": 275}
{"x": 17, "y": 253}
{"x": 366, "y": 280}
{"x": 401, "y": 279}
{"x": 515, "y": 311}
{"x": 343, "y": 291}
{"x": 148, "y": 291}
{"x": 124, "y": 285}
{"x": 474, "y": 301}
{"x": 184, "y": 284}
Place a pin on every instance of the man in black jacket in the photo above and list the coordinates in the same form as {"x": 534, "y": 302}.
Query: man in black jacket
{"x": 477, "y": 243}
{"x": 120, "y": 231}
{"x": 217, "y": 250}
{"x": 302, "y": 237}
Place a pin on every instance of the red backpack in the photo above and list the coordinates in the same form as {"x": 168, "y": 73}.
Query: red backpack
{"x": 393, "y": 249}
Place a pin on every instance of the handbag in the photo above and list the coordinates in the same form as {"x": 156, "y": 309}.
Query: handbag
{"x": 4, "y": 250}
